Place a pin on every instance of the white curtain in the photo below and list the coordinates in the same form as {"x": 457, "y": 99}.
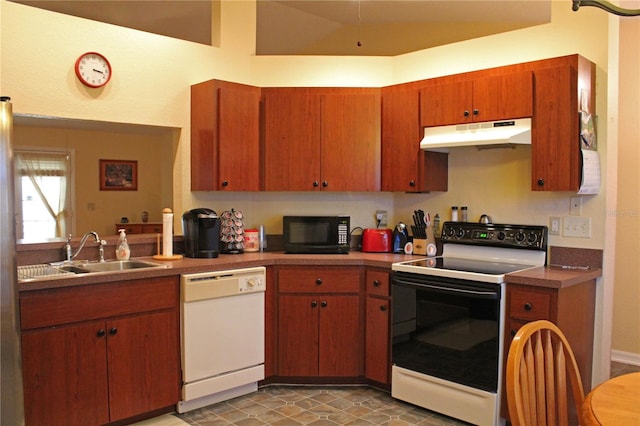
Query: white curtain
{"x": 39, "y": 165}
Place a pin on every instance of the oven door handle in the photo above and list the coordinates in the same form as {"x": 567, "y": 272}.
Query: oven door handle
{"x": 448, "y": 289}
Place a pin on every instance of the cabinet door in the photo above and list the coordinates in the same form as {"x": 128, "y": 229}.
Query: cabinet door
{"x": 65, "y": 376}
{"x": 446, "y": 103}
{"x": 239, "y": 138}
{"x": 340, "y": 339}
{"x": 555, "y": 153}
{"x": 144, "y": 363}
{"x": 406, "y": 167}
{"x": 350, "y": 142}
{"x": 225, "y": 147}
{"x": 377, "y": 342}
{"x": 291, "y": 139}
{"x": 490, "y": 98}
{"x": 503, "y": 97}
{"x": 298, "y": 335}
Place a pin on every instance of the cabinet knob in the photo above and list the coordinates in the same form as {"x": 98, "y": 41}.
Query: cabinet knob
{"x": 540, "y": 182}
{"x": 314, "y": 303}
{"x": 383, "y": 308}
{"x": 466, "y": 113}
{"x": 412, "y": 183}
{"x": 113, "y": 331}
{"x": 318, "y": 281}
{"x": 376, "y": 283}
{"x": 316, "y": 183}
{"x": 528, "y": 306}
{"x": 101, "y": 332}
{"x": 225, "y": 183}
{"x": 476, "y": 112}
{"x": 323, "y": 303}
{"x": 325, "y": 183}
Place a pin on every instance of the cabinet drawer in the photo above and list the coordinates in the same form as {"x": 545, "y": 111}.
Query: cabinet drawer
{"x": 129, "y": 228}
{"x": 152, "y": 228}
{"x": 377, "y": 283}
{"x": 49, "y": 307}
{"x": 529, "y": 305}
{"x": 319, "y": 280}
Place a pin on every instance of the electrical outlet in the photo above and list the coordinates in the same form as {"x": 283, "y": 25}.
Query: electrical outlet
{"x": 575, "y": 208}
{"x": 381, "y": 217}
{"x": 576, "y": 226}
{"x": 555, "y": 224}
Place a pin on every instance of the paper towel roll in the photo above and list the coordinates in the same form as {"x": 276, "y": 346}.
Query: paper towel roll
{"x": 167, "y": 232}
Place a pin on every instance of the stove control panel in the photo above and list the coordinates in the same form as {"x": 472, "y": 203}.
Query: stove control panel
{"x": 531, "y": 237}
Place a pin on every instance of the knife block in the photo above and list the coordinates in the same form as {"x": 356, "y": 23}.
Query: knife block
{"x": 425, "y": 246}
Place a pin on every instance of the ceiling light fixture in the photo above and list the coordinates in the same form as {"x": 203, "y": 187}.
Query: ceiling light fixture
{"x": 605, "y": 5}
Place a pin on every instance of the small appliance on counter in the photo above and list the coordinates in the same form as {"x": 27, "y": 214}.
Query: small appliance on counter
{"x": 400, "y": 237}
{"x": 201, "y": 229}
{"x": 232, "y": 232}
{"x": 375, "y": 240}
{"x": 316, "y": 234}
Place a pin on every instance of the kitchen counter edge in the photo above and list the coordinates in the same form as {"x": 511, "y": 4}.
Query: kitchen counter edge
{"x": 223, "y": 262}
{"x": 552, "y": 277}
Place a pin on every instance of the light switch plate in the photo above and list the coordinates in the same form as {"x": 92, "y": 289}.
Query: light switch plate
{"x": 576, "y": 226}
{"x": 555, "y": 224}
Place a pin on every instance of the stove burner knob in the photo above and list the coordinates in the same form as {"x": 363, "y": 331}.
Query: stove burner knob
{"x": 532, "y": 238}
{"x": 520, "y": 237}
{"x": 501, "y": 235}
{"x": 460, "y": 233}
{"x": 451, "y": 232}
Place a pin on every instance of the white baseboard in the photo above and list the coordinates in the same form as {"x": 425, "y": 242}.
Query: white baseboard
{"x": 625, "y": 357}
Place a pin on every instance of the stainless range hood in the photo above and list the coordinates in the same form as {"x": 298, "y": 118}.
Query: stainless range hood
{"x": 487, "y": 134}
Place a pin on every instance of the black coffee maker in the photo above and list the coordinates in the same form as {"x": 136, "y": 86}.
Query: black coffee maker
{"x": 201, "y": 229}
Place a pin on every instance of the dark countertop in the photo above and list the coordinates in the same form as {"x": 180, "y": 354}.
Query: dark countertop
{"x": 550, "y": 276}
{"x": 553, "y": 276}
{"x": 223, "y": 262}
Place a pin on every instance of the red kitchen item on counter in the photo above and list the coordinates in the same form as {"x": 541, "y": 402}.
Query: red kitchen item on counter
{"x": 375, "y": 240}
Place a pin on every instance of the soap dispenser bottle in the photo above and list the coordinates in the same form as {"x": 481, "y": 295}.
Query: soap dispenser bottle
{"x": 123, "y": 252}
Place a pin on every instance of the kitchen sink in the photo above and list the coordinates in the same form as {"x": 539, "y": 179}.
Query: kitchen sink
{"x": 72, "y": 269}
{"x": 79, "y": 267}
{"x": 119, "y": 265}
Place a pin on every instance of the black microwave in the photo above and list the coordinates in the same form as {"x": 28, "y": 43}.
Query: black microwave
{"x": 316, "y": 234}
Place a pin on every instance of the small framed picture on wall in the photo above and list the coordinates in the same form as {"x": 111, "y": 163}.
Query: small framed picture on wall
{"x": 118, "y": 175}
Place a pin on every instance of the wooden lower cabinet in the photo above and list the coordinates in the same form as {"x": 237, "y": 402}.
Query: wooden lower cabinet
{"x": 377, "y": 353}
{"x": 320, "y": 331}
{"x": 571, "y": 308}
{"x": 99, "y": 371}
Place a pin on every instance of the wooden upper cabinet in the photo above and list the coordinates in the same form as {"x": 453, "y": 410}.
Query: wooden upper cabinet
{"x": 291, "y": 132}
{"x": 350, "y": 159}
{"x": 318, "y": 139}
{"x": 405, "y": 167}
{"x": 555, "y": 153}
{"x": 225, "y": 139}
{"x": 447, "y": 101}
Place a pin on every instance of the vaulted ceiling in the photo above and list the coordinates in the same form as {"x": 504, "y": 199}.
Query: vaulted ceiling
{"x": 322, "y": 27}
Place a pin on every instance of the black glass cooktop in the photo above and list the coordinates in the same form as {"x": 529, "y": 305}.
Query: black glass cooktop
{"x": 467, "y": 265}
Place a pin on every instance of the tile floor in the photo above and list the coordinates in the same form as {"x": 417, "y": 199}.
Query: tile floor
{"x": 315, "y": 405}
{"x": 318, "y": 406}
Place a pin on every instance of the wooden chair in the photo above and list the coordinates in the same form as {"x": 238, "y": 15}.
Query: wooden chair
{"x": 540, "y": 359}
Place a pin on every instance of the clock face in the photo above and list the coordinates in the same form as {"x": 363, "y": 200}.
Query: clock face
{"x": 93, "y": 69}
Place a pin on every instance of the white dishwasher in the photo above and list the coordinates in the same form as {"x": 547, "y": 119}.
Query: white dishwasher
{"x": 222, "y": 335}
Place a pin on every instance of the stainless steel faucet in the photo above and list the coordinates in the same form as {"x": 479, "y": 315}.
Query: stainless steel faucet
{"x": 101, "y": 244}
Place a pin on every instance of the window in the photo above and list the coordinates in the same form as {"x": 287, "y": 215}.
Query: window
{"x": 44, "y": 185}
